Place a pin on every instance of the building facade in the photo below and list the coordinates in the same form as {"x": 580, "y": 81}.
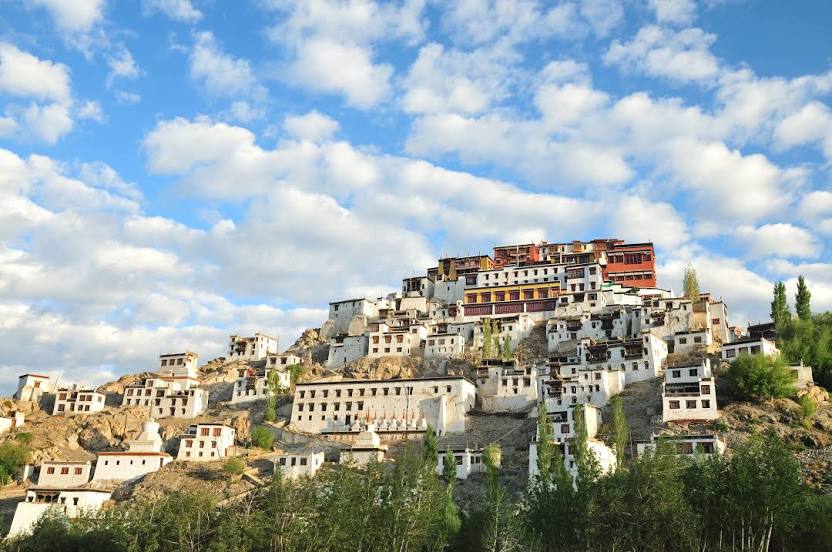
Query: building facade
{"x": 207, "y": 443}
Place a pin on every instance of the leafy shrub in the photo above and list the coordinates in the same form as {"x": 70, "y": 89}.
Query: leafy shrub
{"x": 13, "y": 456}
{"x": 262, "y": 437}
{"x": 808, "y": 407}
{"x": 270, "y": 415}
{"x": 24, "y": 438}
{"x": 233, "y": 466}
{"x": 760, "y": 377}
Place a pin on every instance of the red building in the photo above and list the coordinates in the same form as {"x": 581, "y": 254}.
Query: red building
{"x": 516, "y": 255}
{"x": 631, "y": 264}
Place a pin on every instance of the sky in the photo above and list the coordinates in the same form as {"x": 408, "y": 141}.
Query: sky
{"x": 175, "y": 171}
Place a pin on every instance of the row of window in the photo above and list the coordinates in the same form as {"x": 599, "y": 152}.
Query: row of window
{"x": 689, "y": 404}
{"x": 64, "y": 470}
{"x": 731, "y": 353}
{"x": 629, "y": 258}
{"x": 171, "y": 362}
{"x": 362, "y": 391}
{"x": 500, "y": 296}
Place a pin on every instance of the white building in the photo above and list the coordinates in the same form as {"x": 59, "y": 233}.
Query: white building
{"x": 70, "y": 502}
{"x": 367, "y": 448}
{"x": 691, "y": 340}
{"x": 295, "y": 465}
{"x": 444, "y": 345}
{"x": 393, "y": 406}
{"x": 342, "y": 313}
{"x": 282, "y": 361}
{"x": 417, "y": 286}
{"x": 749, "y": 346}
{"x": 30, "y": 387}
{"x": 76, "y": 399}
{"x": 604, "y": 455}
{"x": 64, "y": 474}
{"x": 687, "y": 445}
{"x": 502, "y": 386}
{"x": 515, "y": 328}
{"x": 468, "y": 461}
{"x": 518, "y": 275}
{"x": 207, "y": 442}
{"x": 255, "y": 347}
{"x": 688, "y": 392}
{"x": 143, "y": 455}
{"x": 343, "y": 349}
{"x": 174, "y": 393}
{"x": 396, "y": 341}
{"x": 13, "y": 421}
{"x": 252, "y": 383}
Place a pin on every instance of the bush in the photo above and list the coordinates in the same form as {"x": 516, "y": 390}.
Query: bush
{"x": 270, "y": 415}
{"x": 760, "y": 377}
{"x": 262, "y": 438}
{"x": 24, "y": 438}
{"x": 13, "y": 456}
{"x": 233, "y": 466}
{"x": 808, "y": 407}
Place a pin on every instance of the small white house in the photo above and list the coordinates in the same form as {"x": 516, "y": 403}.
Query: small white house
{"x": 687, "y": 445}
{"x": 396, "y": 341}
{"x": 30, "y": 387}
{"x": 143, "y": 455}
{"x": 445, "y": 345}
{"x": 502, "y": 386}
{"x": 294, "y": 465}
{"x": 468, "y": 461}
{"x": 77, "y": 400}
{"x": 343, "y": 349}
{"x": 13, "y": 421}
{"x": 252, "y": 383}
{"x": 206, "y": 443}
{"x": 255, "y": 347}
{"x": 366, "y": 448}
{"x": 167, "y": 398}
{"x": 64, "y": 474}
{"x": 689, "y": 392}
{"x": 70, "y": 502}
{"x": 692, "y": 340}
{"x": 749, "y": 346}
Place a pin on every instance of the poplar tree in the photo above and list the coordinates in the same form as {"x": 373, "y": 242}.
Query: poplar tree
{"x": 545, "y": 446}
{"x": 430, "y": 448}
{"x": 780, "y": 313}
{"x": 801, "y": 300}
{"x": 486, "y": 337}
{"x": 507, "y": 352}
{"x": 618, "y": 427}
{"x": 691, "y": 284}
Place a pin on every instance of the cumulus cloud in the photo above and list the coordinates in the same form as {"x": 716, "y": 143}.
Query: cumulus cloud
{"x": 74, "y": 15}
{"x": 219, "y": 73}
{"x": 178, "y": 10}
{"x": 23, "y": 74}
{"x": 682, "y": 56}
{"x": 779, "y": 240}
{"x": 681, "y": 12}
{"x": 122, "y": 66}
{"x": 312, "y": 126}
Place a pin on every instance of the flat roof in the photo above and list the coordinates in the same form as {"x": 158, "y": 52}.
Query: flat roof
{"x": 128, "y": 453}
{"x": 178, "y": 354}
{"x": 34, "y": 376}
{"x": 370, "y": 381}
{"x": 348, "y": 301}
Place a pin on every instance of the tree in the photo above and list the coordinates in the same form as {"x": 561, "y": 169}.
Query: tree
{"x": 808, "y": 407}
{"x": 780, "y": 313}
{"x": 262, "y": 437}
{"x": 275, "y": 389}
{"x": 691, "y": 284}
{"x": 430, "y": 447}
{"x": 486, "y": 338}
{"x": 233, "y": 466}
{"x": 13, "y": 456}
{"x": 507, "y": 352}
{"x": 501, "y": 527}
{"x": 760, "y": 377}
{"x": 545, "y": 446}
{"x": 618, "y": 428}
{"x": 801, "y": 300}
{"x": 449, "y": 467}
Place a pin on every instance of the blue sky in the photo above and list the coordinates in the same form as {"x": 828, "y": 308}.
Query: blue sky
{"x": 172, "y": 171}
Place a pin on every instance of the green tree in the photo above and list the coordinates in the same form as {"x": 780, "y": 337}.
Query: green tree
{"x": 262, "y": 437}
{"x": 234, "y": 466}
{"x": 801, "y": 300}
{"x": 619, "y": 430}
{"x": 808, "y": 407}
{"x": 760, "y": 377}
{"x": 690, "y": 284}
{"x": 275, "y": 389}
{"x": 13, "y": 456}
{"x": 486, "y": 338}
{"x": 501, "y": 530}
{"x": 449, "y": 467}
{"x": 430, "y": 447}
{"x": 507, "y": 352}
{"x": 545, "y": 444}
{"x": 780, "y": 313}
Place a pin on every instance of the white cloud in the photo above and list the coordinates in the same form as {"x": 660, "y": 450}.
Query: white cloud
{"x": 312, "y": 126}
{"x": 682, "y": 56}
{"x": 91, "y": 110}
{"x": 602, "y": 15}
{"x": 813, "y": 123}
{"x": 816, "y": 203}
{"x": 74, "y": 15}
{"x": 219, "y": 73}
{"x": 46, "y": 123}
{"x": 681, "y": 12}
{"x": 22, "y": 74}
{"x": 347, "y": 69}
{"x": 122, "y": 65}
{"x": 778, "y": 239}
{"x": 178, "y": 10}
{"x": 638, "y": 219}
{"x": 127, "y": 98}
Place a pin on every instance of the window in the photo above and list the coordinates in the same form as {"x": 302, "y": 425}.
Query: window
{"x": 677, "y": 373}
{"x": 705, "y": 389}
{"x": 78, "y": 471}
{"x": 50, "y": 471}
{"x": 217, "y": 431}
{"x": 514, "y": 295}
{"x": 706, "y": 404}
{"x": 683, "y": 340}
{"x": 64, "y": 471}
{"x": 674, "y": 405}
{"x": 690, "y": 404}
{"x": 697, "y": 339}
{"x": 730, "y": 353}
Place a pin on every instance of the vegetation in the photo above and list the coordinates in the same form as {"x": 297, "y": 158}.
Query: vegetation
{"x": 808, "y": 407}
{"x": 618, "y": 428}
{"x": 295, "y": 372}
{"x": 690, "y": 284}
{"x": 507, "y": 352}
{"x": 760, "y": 377}
{"x": 750, "y": 500}
{"x": 487, "y": 332}
{"x": 780, "y": 313}
{"x": 13, "y": 456}
{"x": 262, "y": 437}
{"x": 801, "y": 300}
{"x": 234, "y": 466}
